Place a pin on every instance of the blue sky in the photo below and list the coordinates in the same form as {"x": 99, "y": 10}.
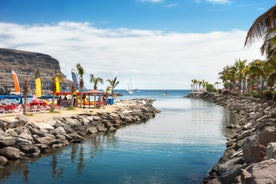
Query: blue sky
{"x": 154, "y": 43}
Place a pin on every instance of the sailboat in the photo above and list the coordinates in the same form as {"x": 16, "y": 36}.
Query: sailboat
{"x": 129, "y": 89}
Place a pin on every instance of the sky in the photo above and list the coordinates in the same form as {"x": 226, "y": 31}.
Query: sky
{"x": 147, "y": 44}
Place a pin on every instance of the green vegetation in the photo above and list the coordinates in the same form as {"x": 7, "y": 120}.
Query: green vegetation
{"x": 70, "y": 108}
{"x": 54, "y": 111}
{"x": 96, "y": 81}
{"x": 28, "y": 114}
{"x": 257, "y": 78}
{"x": 80, "y": 73}
{"x": 203, "y": 86}
{"x": 112, "y": 85}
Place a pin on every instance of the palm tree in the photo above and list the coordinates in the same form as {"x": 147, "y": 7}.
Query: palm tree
{"x": 25, "y": 93}
{"x": 194, "y": 85}
{"x": 271, "y": 79}
{"x": 246, "y": 74}
{"x": 264, "y": 23}
{"x": 240, "y": 65}
{"x": 259, "y": 70}
{"x": 73, "y": 91}
{"x": 80, "y": 73}
{"x": 204, "y": 85}
{"x": 265, "y": 27}
{"x": 199, "y": 85}
{"x": 269, "y": 44}
{"x": 228, "y": 76}
{"x": 113, "y": 83}
{"x": 96, "y": 81}
{"x": 54, "y": 94}
{"x": 216, "y": 84}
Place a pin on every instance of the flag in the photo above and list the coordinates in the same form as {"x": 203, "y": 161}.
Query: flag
{"x": 38, "y": 86}
{"x": 16, "y": 83}
{"x": 57, "y": 84}
{"x": 75, "y": 79}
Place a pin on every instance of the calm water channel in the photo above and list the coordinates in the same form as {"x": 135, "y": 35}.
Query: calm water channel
{"x": 180, "y": 145}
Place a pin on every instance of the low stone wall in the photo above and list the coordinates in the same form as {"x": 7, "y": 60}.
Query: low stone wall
{"x": 250, "y": 155}
{"x": 20, "y": 139}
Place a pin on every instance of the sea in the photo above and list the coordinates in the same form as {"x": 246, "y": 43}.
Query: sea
{"x": 179, "y": 146}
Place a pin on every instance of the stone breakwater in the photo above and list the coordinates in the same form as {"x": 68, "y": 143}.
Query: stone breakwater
{"x": 250, "y": 155}
{"x": 20, "y": 139}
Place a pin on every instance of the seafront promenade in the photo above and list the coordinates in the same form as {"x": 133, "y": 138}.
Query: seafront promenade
{"x": 250, "y": 155}
{"x": 30, "y": 136}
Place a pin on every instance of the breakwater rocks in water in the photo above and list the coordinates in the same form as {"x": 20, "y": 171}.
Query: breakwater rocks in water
{"x": 250, "y": 155}
{"x": 20, "y": 139}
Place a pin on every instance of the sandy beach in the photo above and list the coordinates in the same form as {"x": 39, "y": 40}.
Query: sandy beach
{"x": 36, "y": 117}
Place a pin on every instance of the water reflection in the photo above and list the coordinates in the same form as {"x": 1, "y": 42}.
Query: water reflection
{"x": 57, "y": 171}
{"x": 229, "y": 119}
{"x": 179, "y": 146}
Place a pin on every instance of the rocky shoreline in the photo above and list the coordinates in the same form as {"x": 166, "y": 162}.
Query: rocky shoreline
{"x": 250, "y": 155}
{"x": 20, "y": 139}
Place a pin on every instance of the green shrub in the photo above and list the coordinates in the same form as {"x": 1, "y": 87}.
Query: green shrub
{"x": 210, "y": 88}
{"x": 268, "y": 94}
{"x": 255, "y": 94}
{"x": 219, "y": 91}
{"x": 53, "y": 111}
{"x": 71, "y": 108}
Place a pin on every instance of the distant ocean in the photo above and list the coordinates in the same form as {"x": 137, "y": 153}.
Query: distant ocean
{"x": 180, "y": 145}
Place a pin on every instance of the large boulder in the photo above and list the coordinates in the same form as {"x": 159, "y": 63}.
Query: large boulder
{"x": 10, "y": 153}
{"x": 44, "y": 126}
{"x": 3, "y": 161}
{"x": 101, "y": 127}
{"x": 230, "y": 169}
{"x": 59, "y": 130}
{"x": 85, "y": 120}
{"x": 27, "y": 136}
{"x": 252, "y": 151}
{"x": 263, "y": 172}
{"x": 72, "y": 122}
{"x": 29, "y": 149}
{"x": 3, "y": 125}
{"x": 22, "y": 119}
{"x": 48, "y": 139}
{"x": 92, "y": 130}
{"x": 267, "y": 135}
{"x": 271, "y": 150}
{"x": 6, "y": 141}
{"x": 37, "y": 131}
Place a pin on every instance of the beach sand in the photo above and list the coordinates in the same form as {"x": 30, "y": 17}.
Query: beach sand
{"x": 36, "y": 117}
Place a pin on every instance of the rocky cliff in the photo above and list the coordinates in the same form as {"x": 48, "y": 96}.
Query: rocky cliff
{"x": 25, "y": 64}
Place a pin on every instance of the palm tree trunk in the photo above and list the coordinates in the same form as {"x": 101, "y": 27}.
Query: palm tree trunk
{"x": 81, "y": 99}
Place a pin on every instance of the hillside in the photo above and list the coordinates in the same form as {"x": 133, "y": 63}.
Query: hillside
{"x": 24, "y": 64}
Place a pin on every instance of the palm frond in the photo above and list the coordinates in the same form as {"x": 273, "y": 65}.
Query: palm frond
{"x": 261, "y": 25}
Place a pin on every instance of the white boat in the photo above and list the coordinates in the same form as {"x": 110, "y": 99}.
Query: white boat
{"x": 129, "y": 90}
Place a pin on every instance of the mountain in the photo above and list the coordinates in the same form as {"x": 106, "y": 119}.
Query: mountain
{"x": 24, "y": 64}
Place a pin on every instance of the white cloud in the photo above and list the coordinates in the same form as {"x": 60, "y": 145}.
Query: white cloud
{"x": 170, "y": 5}
{"x": 219, "y": 1}
{"x": 152, "y": 59}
